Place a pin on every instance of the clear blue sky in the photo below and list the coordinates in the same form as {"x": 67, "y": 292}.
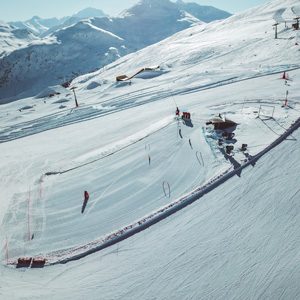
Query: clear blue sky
{"x": 15, "y": 10}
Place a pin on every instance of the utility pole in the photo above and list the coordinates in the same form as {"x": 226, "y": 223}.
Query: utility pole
{"x": 276, "y": 30}
{"x": 76, "y": 102}
{"x": 296, "y": 26}
{"x": 286, "y": 99}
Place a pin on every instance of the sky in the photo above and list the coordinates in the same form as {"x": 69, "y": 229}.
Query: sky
{"x": 20, "y": 10}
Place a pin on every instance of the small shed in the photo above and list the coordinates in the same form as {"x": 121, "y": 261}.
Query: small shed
{"x": 122, "y": 78}
{"x": 220, "y": 123}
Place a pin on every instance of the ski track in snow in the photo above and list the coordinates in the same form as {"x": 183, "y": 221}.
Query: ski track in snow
{"x": 68, "y": 255}
{"x": 60, "y": 119}
{"x": 132, "y": 140}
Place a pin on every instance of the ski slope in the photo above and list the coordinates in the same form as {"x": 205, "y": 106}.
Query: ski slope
{"x": 123, "y": 142}
{"x": 251, "y": 253}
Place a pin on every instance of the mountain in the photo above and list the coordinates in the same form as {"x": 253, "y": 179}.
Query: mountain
{"x": 148, "y": 22}
{"x": 78, "y": 46}
{"x": 12, "y": 38}
{"x": 205, "y": 13}
{"x": 229, "y": 46}
{"x": 60, "y": 57}
{"x": 89, "y": 12}
{"x": 88, "y": 45}
{"x": 170, "y": 215}
{"x": 77, "y": 17}
{"x": 39, "y": 26}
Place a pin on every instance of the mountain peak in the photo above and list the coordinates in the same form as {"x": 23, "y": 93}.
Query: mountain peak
{"x": 35, "y": 18}
{"x": 152, "y": 7}
{"x": 203, "y": 12}
{"x": 89, "y": 12}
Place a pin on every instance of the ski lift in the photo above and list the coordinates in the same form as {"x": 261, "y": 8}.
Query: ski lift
{"x": 186, "y": 116}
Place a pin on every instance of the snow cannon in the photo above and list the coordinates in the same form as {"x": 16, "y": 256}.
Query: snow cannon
{"x": 186, "y": 118}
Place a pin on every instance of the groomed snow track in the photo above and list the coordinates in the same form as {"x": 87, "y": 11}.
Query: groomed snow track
{"x": 52, "y": 121}
{"x": 76, "y": 253}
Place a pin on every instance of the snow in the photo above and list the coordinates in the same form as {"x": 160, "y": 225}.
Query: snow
{"x": 78, "y": 45}
{"x": 43, "y": 27}
{"x": 12, "y": 38}
{"x": 239, "y": 240}
{"x": 52, "y": 90}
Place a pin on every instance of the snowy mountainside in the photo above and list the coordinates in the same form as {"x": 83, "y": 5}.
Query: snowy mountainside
{"x": 12, "y": 38}
{"x": 40, "y": 26}
{"x": 124, "y": 145}
{"x": 204, "y": 13}
{"x": 244, "y": 41}
{"x": 148, "y": 22}
{"x": 89, "y": 12}
{"x": 70, "y": 51}
{"x": 37, "y": 25}
{"x": 86, "y": 13}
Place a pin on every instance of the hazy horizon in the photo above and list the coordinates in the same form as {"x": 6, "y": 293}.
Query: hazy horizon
{"x": 29, "y": 8}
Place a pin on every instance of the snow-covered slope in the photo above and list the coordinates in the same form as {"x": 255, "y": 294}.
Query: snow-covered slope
{"x": 77, "y": 17}
{"x": 73, "y": 50}
{"x": 239, "y": 242}
{"x": 210, "y": 52}
{"x": 124, "y": 146}
{"x": 12, "y": 38}
{"x": 37, "y": 25}
{"x": 40, "y": 26}
{"x": 148, "y": 22}
{"x": 85, "y": 46}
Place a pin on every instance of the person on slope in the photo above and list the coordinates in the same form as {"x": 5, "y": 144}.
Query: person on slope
{"x": 85, "y": 201}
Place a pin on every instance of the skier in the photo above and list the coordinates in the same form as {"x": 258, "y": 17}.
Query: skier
{"x": 85, "y": 201}
{"x": 180, "y": 133}
{"x": 177, "y": 112}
